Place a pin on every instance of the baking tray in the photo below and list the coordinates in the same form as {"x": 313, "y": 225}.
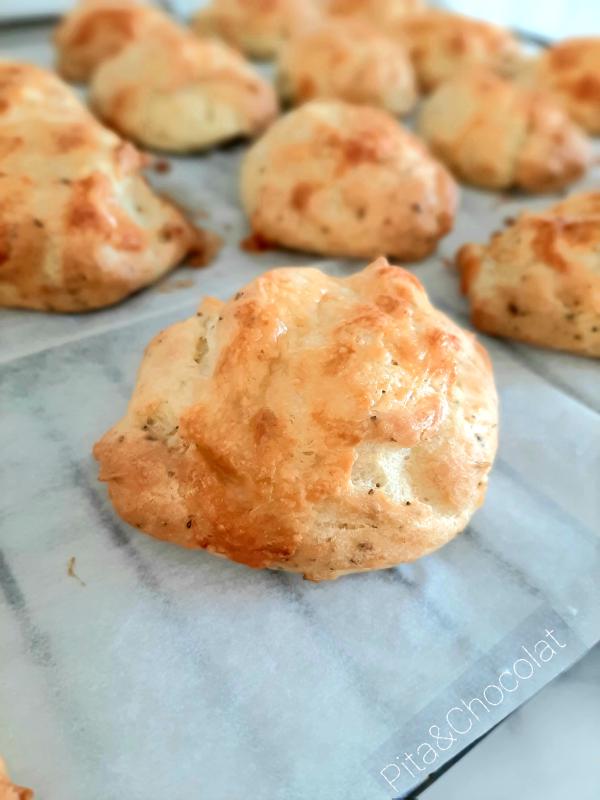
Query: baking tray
{"x": 151, "y": 672}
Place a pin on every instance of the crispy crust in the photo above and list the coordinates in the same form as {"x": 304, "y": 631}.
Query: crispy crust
{"x": 310, "y": 424}
{"x": 350, "y": 61}
{"x": 339, "y": 179}
{"x": 97, "y": 29}
{"x": 442, "y": 43}
{"x": 570, "y": 71}
{"x": 9, "y": 790}
{"x": 257, "y": 27}
{"x": 79, "y": 226}
{"x": 496, "y": 134}
{"x": 174, "y": 92}
{"x": 539, "y": 280}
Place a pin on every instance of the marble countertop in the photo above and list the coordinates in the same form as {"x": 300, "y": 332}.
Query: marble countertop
{"x": 547, "y": 750}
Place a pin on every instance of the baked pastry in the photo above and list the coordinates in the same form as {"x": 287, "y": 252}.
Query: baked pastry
{"x": 97, "y": 29}
{"x": 350, "y": 61}
{"x": 442, "y": 43}
{"x": 496, "y": 134}
{"x": 80, "y": 228}
{"x": 346, "y": 180}
{"x": 539, "y": 280}
{"x": 9, "y": 790}
{"x": 570, "y": 71}
{"x": 312, "y": 424}
{"x": 256, "y": 27}
{"x": 177, "y": 93}
{"x": 376, "y": 12}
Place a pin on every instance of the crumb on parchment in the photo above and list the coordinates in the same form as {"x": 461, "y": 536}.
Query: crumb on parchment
{"x": 71, "y": 570}
{"x": 175, "y": 285}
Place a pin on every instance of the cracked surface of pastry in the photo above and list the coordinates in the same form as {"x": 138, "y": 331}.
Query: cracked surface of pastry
{"x": 314, "y": 424}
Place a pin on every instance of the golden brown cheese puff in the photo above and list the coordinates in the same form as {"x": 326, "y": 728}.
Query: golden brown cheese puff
{"x": 313, "y": 424}
{"x": 176, "y": 92}
{"x": 80, "y": 228}
{"x": 346, "y": 180}
{"x": 496, "y": 134}
{"x": 349, "y": 61}
{"x": 539, "y": 279}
